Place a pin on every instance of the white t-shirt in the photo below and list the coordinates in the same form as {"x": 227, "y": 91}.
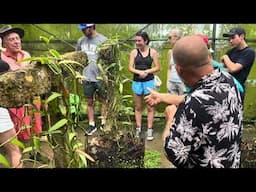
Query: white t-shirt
{"x": 5, "y": 120}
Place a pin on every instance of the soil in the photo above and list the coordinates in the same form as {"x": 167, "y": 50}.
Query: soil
{"x": 248, "y": 155}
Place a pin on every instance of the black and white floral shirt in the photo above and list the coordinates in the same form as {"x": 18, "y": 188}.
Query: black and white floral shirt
{"x": 207, "y": 127}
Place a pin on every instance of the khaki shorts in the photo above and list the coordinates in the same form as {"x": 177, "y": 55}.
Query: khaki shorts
{"x": 5, "y": 120}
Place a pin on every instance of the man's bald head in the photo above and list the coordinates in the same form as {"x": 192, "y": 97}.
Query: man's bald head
{"x": 191, "y": 52}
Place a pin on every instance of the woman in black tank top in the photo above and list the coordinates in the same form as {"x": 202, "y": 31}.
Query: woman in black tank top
{"x": 143, "y": 63}
{"x": 141, "y": 60}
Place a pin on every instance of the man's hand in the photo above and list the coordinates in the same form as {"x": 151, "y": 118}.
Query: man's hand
{"x": 153, "y": 98}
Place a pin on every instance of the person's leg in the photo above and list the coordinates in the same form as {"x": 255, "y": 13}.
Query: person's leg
{"x": 12, "y": 150}
{"x": 102, "y": 94}
{"x": 138, "y": 110}
{"x": 138, "y": 96}
{"x": 89, "y": 90}
{"x": 170, "y": 111}
{"x": 150, "y": 109}
{"x": 90, "y": 109}
{"x": 150, "y": 119}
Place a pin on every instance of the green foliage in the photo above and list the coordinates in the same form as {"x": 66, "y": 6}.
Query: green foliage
{"x": 18, "y": 143}
{"x": 250, "y": 102}
{"x": 112, "y": 75}
{"x": 4, "y": 161}
{"x": 152, "y": 159}
{"x": 61, "y": 135}
{"x": 57, "y": 125}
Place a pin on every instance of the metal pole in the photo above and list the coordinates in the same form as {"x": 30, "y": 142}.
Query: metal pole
{"x": 214, "y": 39}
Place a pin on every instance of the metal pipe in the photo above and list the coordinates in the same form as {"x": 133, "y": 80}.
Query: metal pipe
{"x": 214, "y": 39}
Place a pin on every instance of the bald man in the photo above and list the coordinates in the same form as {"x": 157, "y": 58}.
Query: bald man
{"x": 206, "y": 131}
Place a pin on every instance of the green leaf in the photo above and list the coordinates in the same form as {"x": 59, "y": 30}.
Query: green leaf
{"x": 45, "y": 39}
{"x": 121, "y": 87}
{"x": 83, "y": 161}
{"x": 18, "y": 143}
{"x": 71, "y": 69}
{"x": 55, "y": 53}
{"x": 4, "y": 161}
{"x": 125, "y": 80}
{"x": 55, "y": 68}
{"x": 77, "y": 146}
{"x": 58, "y": 125}
{"x": 27, "y": 149}
{"x": 63, "y": 109}
{"x": 70, "y": 62}
{"x": 126, "y": 123}
{"x": 56, "y": 131}
{"x": 71, "y": 136}
{"x": 53, "y": 96}
{"x": 100, "y": 68}
{"x": 127, "y": 96}
{"x": 112, "y": 65}
{"x": 36, "y": 142}
{"x": 99, "y": 78}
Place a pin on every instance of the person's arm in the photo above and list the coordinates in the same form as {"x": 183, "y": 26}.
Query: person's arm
{"x": 169, "y": 68}
{"x": 231, "y": 66}
{"x": 170, "y": 111}
{"x": 78, "y": 45}
{"x": 155, "y": 98}
{"x": 132, "y": 69}
{"x": 156, "y": 67}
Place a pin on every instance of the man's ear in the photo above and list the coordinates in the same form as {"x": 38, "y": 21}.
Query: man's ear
{"x": 179, "y": 70}
{"x": 242, "y": 35}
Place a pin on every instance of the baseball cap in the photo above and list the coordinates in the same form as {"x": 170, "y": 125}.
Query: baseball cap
{"x": 206, "y": 41}
{"x": 234, "y": 31}
{"x": 204, "y": 38}
{"x": 85, "y": 26}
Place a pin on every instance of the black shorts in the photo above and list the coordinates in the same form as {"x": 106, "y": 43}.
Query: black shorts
{"x": 90, "y": 88}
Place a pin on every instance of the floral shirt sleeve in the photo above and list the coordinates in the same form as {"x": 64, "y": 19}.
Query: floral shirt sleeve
{"x": 206, "y": 130}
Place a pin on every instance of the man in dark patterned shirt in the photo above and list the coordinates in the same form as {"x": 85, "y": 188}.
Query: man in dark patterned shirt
{"x": 206, "y": 131}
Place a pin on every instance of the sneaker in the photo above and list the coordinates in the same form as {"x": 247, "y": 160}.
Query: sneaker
{"x": 90, "y": 130}
{"x": 102, "y": 126}
{"x": 43, "y": 138}
{"x": 150, "y": 135}
{"x": 137, "y": 134}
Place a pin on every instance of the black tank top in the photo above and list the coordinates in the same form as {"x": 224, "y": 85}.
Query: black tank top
{"x": 143, "y": 63}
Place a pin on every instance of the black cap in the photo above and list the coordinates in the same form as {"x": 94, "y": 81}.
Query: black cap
{"x": 234, "y": 31}
{"x": 5, "y": 30}
{"x": 4, "y": 66}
